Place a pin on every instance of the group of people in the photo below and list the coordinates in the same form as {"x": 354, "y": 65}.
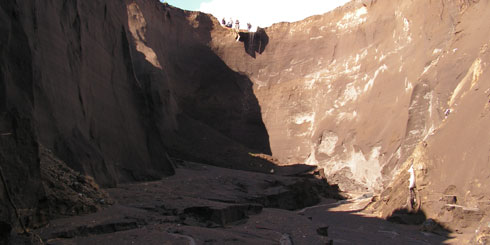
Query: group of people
{"x": 229, "y": 24}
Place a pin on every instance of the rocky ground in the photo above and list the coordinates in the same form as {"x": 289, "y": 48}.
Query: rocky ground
{"x": 203, "y": 204}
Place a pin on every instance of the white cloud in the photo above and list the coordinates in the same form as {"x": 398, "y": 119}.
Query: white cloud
{"x": 266, "y": 12}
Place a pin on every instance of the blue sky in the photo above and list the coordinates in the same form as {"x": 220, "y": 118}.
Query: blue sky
{"x": 187, "y": 4}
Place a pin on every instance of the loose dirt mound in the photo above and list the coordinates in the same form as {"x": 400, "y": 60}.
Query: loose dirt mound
{"x": 67, "y": 191}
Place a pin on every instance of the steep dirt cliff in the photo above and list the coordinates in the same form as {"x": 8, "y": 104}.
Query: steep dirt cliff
{"x": 356, "y": 90}
{"x": 117, "y": 89}
{"x": 111, "y": 88}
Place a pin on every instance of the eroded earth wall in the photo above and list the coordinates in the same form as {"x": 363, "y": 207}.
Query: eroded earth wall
{"x": 356, "y": 89}
{"x": 113, "y": 88}
{"x": 374, "y": 87}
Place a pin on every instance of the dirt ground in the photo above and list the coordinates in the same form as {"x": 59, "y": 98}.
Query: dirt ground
{"x": 209, "y": 205}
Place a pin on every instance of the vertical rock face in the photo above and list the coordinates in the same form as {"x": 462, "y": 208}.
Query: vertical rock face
{"x": 356, "y": 89}
{"x": 113, "y": 88}
{"x": 375, "y": 86}
{"x": 116, "y": 85}
{"x": 92, "y": 106}
{"x": 21, "y": 192}
{"x": 20, "y": 184}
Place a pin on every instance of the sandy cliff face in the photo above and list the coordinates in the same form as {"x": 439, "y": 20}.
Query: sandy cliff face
{"x": 358, "y": 89}
{"x": 355, "y": 90}
{"x": 113, "y": 88}
{"x": 19, "y": 165}
{"x": 90, "y": 107}
{"x": 116, "y": 85}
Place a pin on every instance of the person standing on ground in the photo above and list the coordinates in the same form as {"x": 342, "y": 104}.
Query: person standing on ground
{"x": 413, "y": 196}
{"x": 237, "y": 25}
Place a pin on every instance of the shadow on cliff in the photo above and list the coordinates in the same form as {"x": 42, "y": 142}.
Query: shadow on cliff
{"x": 218, "y": 119}
{"x": 254, "y": 42}
{"x": 217, "y": 116}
